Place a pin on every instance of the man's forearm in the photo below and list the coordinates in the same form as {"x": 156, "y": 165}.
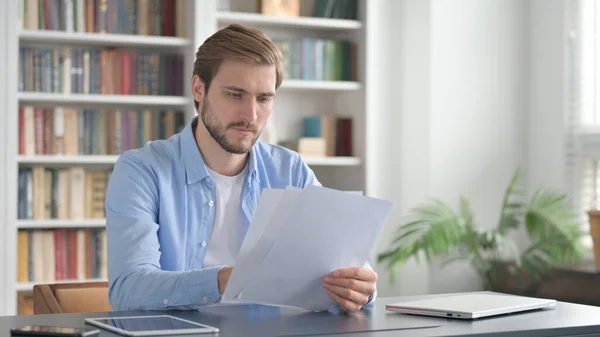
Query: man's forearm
{"x": 152, "y": 289}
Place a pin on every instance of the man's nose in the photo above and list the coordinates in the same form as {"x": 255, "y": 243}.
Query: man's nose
{"x": 249, "y": 111}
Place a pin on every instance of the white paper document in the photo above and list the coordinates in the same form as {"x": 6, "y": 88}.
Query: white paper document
{"x": 297, "y": 236}
{"x": 246, "y": 263}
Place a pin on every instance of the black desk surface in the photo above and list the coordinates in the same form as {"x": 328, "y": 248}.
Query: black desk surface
{"x": 249, "y": 321}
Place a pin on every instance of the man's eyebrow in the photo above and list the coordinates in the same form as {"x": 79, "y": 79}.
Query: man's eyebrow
{"x": 244, "y": 91}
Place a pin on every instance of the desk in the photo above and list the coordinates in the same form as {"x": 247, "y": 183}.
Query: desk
{"x": 250, "y": 321}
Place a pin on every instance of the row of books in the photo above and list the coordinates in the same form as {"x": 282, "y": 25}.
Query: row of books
{"x": 61, "y": 254}
{"x": 318, "y": 59}
{"x": 99, "y": 71}
{"x": 326, "y": 136}
{"x": 140, "y": 17}
{"x": 71, "y": 131}
{"x": 338, "y": 9}
{"x": 62, "y": 193}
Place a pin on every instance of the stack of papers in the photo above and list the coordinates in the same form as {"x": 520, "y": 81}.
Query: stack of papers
{"x": 297, "y": 236}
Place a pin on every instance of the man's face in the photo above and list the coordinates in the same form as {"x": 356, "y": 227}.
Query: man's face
{"x": 238, "y": 104}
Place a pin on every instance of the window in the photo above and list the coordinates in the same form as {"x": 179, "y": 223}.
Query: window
{"x": 583, "y": 111}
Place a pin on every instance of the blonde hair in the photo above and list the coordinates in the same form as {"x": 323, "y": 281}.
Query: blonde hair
{"x": 236, "y": 42}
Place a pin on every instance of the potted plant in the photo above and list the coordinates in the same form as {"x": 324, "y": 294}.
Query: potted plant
{"x": 436, "y": 230}
{"x": 594, "y": 216}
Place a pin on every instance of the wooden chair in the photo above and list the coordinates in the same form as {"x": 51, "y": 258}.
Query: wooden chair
{"x": 70, "y": 298}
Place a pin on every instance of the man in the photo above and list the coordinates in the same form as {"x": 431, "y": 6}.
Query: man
{"x": 177, "y": 210}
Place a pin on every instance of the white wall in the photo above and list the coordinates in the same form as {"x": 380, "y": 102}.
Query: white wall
{"x": 478, "y": 109}
{"x": 3, "y": 153}
{"x": 547, "y": 95}
{"x": 399, "y": 137}
{"x": 457, "y": 102}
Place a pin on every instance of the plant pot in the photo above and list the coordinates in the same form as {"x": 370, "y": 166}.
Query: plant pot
{"x": 518, "y": 284}
{"x": 594, "y": 216}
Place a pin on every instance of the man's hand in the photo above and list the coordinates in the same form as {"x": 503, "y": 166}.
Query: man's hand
{"x": 350, "y": 288}
{"x": 223, "y": 278}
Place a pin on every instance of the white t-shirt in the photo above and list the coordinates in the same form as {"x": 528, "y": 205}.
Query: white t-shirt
{"x": 227, "y": 233}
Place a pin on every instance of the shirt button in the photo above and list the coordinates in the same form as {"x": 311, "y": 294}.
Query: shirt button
{"x": 205, "y": 299}
{"x": 166, "y": 301}
{"x": 203, "y": 243}
{"x": 211, "y": 203}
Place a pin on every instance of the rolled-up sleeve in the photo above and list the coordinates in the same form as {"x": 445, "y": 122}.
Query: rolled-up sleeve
{"x": 136, "y": 281}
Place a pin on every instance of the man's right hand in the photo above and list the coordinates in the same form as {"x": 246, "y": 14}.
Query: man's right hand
{"x": 223, "y": 278}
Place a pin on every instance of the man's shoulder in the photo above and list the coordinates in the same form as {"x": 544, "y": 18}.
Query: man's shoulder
{"x": 154, "y": 154}
{"x": 272, "y": 153}
{"x": 282, "y": 166}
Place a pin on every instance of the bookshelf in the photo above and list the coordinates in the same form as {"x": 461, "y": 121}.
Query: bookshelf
{"x": 299, "y": 98}
{"x": 92, "y": 39}
{"x": 59, "y": 223}
{"x": 333, "y": 161}
{"x": 320, "y": 85}
{"x": 68, "y": 160}
{"x": 297, "y": 22}
{"x": 33, "y": 98}
{"x": 109, "y": 160}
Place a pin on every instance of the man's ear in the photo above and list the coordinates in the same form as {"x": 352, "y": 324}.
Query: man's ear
{"x": 198, "y": 87}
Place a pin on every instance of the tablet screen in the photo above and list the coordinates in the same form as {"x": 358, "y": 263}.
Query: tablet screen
{"x": 152, "y": 323}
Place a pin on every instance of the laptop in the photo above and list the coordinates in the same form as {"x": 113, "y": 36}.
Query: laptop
{"x": 471, "y": 305}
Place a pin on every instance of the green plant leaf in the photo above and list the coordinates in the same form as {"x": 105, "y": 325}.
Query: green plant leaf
{"x": 465, "y": 211}
{"x": 386, "y": 255}
{"x": 515, "y": 205}
{"x": 412, "y": 224}
{"x": 541, "y": 257}
{"x": 407, "y": 234}
{"x": 550, "y": 214}
{"x": 453, "y": 259}
{"x": 509, "y": 246}
{"x": 554, "y": 229}
{"x": 435, "y": 231}
{"x": 512, "y": 206}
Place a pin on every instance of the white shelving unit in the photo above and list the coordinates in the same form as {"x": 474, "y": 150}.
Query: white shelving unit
{"x": 295, "y": 100}
{"x": 109, "y": 160}
{"x": 14, "y": 37}
{"x": 333, "y": 161}
{"x": 59, "y": 223}
{"x": 320, "y": 85}
{"x": 279, "y": 22}
{"x": 68, "y": 160}
{"x": 102, "y": 100}
{"x": 89, "y": 39}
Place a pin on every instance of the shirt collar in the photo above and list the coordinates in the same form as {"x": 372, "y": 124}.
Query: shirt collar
{"x": 195, "y": 168}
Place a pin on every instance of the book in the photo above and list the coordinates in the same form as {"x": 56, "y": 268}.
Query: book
{"x": 334, "y": 136}
{"x": 62, "y": 193}
{"x": 318, "y": 59}
{"x": 70, "y": 131}
{"x": 100, "y": 71}
{"x": 134, "y": 17}
{"x": 51, "y": 255}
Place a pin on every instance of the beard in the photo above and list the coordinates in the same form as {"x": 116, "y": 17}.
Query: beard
{"x": 218, "y": 131}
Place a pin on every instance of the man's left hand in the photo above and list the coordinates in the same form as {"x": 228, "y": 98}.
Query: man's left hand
{"x": 350, "y": 288}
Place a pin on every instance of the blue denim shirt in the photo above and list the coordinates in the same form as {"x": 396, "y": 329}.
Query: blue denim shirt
{"x": 159, "y": 217}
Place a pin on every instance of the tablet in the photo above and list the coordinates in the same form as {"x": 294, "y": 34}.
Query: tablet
{"x": 150, "y": 325}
